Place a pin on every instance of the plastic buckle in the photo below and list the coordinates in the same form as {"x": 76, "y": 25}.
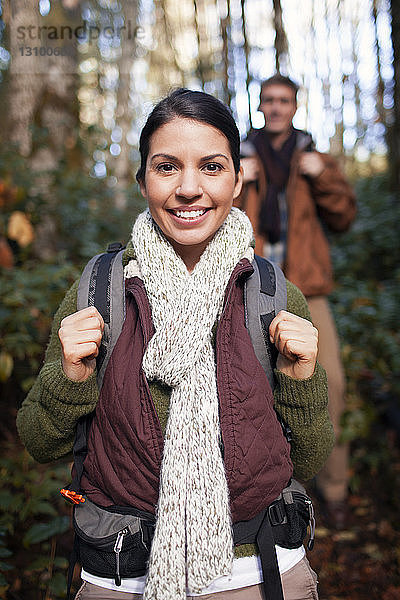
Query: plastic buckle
{"x": 276, "y": 514}
{"x": 72, "y": 497}
{"x": 114, "y": 247}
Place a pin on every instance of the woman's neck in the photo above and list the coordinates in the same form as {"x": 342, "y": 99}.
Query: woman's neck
{"x": 189, "y": 254}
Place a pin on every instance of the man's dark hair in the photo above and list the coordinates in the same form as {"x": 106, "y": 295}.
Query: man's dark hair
{"x": 279, "y": 79}
{"x": 194, "y": 105}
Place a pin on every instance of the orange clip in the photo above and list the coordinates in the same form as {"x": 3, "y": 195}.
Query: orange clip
{"x": 72, "y": 496}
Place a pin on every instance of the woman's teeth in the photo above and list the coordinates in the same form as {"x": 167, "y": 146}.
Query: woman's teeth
{"x": 189, "y": 214}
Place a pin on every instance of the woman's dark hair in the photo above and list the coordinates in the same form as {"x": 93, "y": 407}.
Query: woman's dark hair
{"x": 197, "y": 106}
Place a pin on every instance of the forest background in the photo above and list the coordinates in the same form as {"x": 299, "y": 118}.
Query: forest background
{"x": 77, "y": 80}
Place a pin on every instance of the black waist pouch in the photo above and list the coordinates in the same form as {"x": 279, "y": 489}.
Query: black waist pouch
{"x": 290, "y": 515}
{"x": 112, "y": 542}
{"x": 288, "y": 518}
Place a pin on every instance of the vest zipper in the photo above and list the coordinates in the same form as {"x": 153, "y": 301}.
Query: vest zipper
{"x": 117, "y": 550}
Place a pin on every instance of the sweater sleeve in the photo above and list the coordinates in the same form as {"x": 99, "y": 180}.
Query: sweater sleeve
{"x": 303, "y": 405}
{"x": 47, "y": 418}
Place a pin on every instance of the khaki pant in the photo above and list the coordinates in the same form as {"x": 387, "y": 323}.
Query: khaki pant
{"x": 332, "y": 481}
{"x": 299, "y": 583}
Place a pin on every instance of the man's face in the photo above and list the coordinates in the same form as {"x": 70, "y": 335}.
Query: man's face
{"x": 278, "y": 105}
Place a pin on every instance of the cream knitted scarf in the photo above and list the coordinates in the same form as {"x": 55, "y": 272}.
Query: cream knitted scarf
{"x": 192, "y": 543}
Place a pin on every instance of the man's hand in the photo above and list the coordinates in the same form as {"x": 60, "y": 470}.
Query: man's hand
{"x": 311, "y": 164}
{"x": 251, "y": 169}
{"x": 297, "y": 342}
{"x": 80, "y": 335}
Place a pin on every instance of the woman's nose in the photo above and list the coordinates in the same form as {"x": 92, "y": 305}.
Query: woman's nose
{"x": 189, "y": 185}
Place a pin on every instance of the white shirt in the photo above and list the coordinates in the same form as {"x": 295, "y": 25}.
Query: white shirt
{"x": 245, "y": 572}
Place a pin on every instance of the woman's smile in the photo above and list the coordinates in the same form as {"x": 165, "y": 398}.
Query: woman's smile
{"x": 189, "y": 186}
{"x": 189, "y": 215}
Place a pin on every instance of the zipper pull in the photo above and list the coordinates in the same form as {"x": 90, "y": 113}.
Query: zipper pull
{"x": 310, "y": 544}
{"x": 117, "y": 550}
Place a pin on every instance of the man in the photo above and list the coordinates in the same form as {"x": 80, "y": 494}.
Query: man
{"x": 291, "y": 194}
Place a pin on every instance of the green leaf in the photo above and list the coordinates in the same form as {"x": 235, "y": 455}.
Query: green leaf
{"x": 58, "y": 585}
{"x": 6, "y": 500}
{"x": 6, "y": 366}
{"x": 43, "y": 531}
{"x": 39, "y": 564}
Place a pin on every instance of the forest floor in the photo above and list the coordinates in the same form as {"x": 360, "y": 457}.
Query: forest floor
{"x": 362, "y": 562}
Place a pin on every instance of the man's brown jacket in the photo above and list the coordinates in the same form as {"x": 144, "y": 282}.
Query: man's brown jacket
{"x": 327, "y": 200}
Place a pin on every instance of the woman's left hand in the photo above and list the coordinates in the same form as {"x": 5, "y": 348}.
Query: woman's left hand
{"x": 297, "y": 342}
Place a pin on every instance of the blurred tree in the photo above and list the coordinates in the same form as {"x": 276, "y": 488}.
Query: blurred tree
{"x": 225, "y": 26}
{"x": 123, "y": 115}
{"x": 246, "y": 48}
{"x": 42, "y": 87}
{"x": 394, "y": 131}
{"x": 281, "y": 42}
{"x": 380, "y": 89}
{"x": 42, "y": 110}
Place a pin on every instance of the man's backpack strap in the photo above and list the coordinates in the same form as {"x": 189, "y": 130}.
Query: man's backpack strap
{"x": 265, "y": 296}
{"x": 102, "y": 285}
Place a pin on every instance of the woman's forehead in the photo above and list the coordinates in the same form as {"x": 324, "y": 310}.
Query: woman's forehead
{"x": 188, "y": 136}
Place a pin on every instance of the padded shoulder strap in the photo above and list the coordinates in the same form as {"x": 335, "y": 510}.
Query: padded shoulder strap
{"x": 280, "y": 298}
{"x": 265, "y": 296}
{"x": 102, "y": 285}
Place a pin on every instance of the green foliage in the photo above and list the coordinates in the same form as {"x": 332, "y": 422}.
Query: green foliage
{"x": 366, "y": 303}
{"x": 29, "y": 295}
{"x": 31, "y": 523}
{"x": 74, "y": 217}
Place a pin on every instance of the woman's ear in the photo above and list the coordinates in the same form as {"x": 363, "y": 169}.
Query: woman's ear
{"x": 238, "y": 184}
{"x": 142, "y": 188}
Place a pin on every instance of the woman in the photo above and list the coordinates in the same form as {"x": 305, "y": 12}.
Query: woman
{"x": 183, "y": 382}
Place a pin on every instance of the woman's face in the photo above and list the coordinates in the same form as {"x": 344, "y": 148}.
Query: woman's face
{"x": 190, "y": 183}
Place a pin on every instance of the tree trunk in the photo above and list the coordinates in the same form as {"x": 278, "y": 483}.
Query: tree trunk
{"x": 394, "y": 130}
{"x": 281, "y": 42}
{"x": 41, "y": 89}
{"x": 225, "y": 26}
{"x": 197, "y": 24}
{"x": 246, "y": 53}
{"x": 123, "y": 165}
{"x": 41, "y": 97}
{"x": 381, "y": 86}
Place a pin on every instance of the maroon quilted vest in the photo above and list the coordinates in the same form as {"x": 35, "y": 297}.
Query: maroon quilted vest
{"x": 126, "y": 441}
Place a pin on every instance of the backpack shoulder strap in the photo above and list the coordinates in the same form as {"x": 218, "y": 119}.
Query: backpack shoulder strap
{"x": 265, "y": 295}
{"x": 102, "y": 285}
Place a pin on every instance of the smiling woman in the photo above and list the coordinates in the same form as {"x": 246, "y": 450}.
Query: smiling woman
{"x": 184, "y": 432}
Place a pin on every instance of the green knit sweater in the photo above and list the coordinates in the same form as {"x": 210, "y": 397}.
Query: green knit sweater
{"x": 47, "y": 418}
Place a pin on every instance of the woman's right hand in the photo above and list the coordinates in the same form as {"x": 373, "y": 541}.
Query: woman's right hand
{"x": 80, "y": 335}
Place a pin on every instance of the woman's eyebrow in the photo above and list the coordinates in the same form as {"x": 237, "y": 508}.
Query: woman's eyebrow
{"x": 212, "y": 156}
{"x": 162, "y": 155}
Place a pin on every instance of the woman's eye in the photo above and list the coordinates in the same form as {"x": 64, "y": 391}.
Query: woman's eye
{"x": 165, "y": 168}
{"x": 212, "y": 167}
